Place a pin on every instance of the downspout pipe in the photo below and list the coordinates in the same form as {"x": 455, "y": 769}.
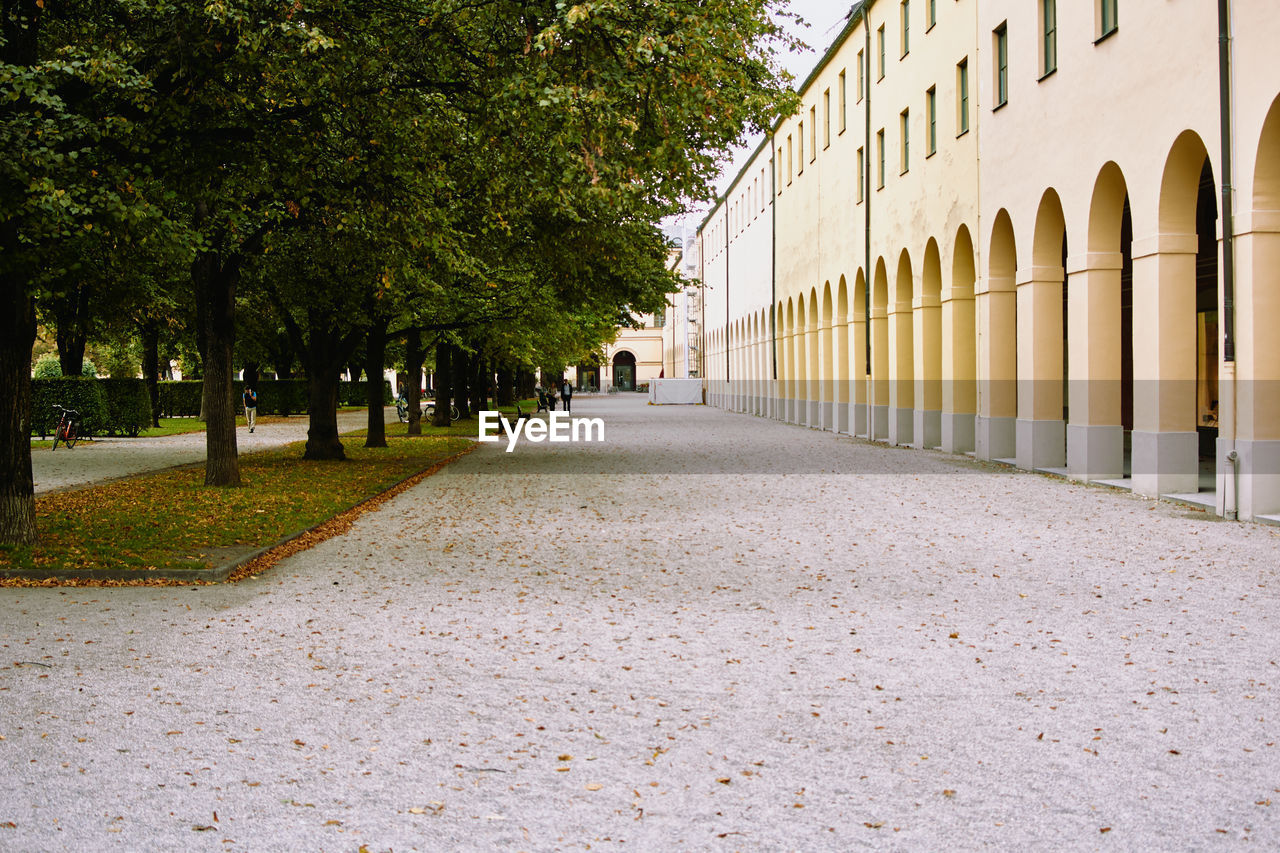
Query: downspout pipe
{"x": 1231, "y": 500}
{"x": 866, "y": 230}
{"x": 773, "y": 260}
{"x": 727, "y": 351}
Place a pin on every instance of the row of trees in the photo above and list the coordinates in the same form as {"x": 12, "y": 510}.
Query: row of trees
{"x": 478, "y": 176}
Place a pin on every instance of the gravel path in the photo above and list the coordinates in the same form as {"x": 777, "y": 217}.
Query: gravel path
{"x": 891, "y": 649}
{"x": 110, "y": 458}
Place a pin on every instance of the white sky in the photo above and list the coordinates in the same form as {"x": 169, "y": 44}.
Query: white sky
{"x": 824, "y": 17}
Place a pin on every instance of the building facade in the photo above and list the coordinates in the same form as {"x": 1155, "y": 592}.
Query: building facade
{"x": 1032, "y": 194}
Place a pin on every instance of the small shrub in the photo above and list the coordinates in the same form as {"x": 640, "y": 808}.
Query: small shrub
{"x": 47, "y": 367}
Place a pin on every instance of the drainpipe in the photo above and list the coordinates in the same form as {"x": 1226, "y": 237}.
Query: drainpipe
{"x": 727, "y": 353}
{"x": 773, "y": 262}
{"x": 1231, "y": 501}
{"x": 866, "y": 195}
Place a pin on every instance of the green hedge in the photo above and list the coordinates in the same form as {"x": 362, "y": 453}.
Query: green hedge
{"x": 85, "y": 395}
{"x": 275, "y": 396}
{"x": 128, "y": 406}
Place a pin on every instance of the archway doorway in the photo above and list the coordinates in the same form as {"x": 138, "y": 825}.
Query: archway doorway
{"x": 624, "y": 371}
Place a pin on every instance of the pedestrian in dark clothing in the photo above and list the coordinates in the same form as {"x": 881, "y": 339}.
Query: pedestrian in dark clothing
{"x": 566, "y": 393}
{"x": 250, "y": 407}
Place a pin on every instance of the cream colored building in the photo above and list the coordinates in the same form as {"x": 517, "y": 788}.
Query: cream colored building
{"x": 1034, "y": 190}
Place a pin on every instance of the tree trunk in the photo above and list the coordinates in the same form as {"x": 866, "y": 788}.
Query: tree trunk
{"x": 17, "y": 488}
{"x": 444, "y": 383}
{"x": 151, "y": 366}
{"x": 322, "y": 406}
{"x": 71, "y": 313}
{"x": 375, "y": 353}
{"x": 461, "y": 377}
{"x": 215, "y": 291}
{"x": 251, "y": 376}
{"x": 506, "y": 391}
{"x": 413, "y": 356}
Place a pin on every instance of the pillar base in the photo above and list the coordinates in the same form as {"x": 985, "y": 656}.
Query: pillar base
{"x": 859, "y": 418}
{"x": 927, "y": 427}
{"x": 1259, "y": 478}
{"x": 1095, "y": 452}
{"x": 880, "y": 423}
{"x": 900, "y": 423}
{"x": 995, "y": 438}
{"x": 1166, "y": 463}
{"x": 1041, "y": 444}
{"x": 957, "y": 432}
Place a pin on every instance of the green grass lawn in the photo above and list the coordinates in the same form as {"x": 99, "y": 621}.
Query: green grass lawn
{"x": 172, "y": 520}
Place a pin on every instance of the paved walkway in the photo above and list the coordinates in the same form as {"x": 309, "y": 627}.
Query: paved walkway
{"x": 109, "y": 458}
{"x": 662, "y": 643}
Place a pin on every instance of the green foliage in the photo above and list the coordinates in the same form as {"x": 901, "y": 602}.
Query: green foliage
{"x": 85, "y": 395}
{"x": 355, "y": 393}
{"x": 128, "y": 406}
{"x": 47, "y": 367}
{"x": 88, "y": 368}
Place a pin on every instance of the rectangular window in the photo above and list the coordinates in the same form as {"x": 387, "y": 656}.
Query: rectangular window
{"x": 813, "y": 134}
{"x": 862, "y": 78}
{"x": 880, "y": 36}
{"x": 931, "y": 116}
{"x": 862, "y": 174}
{"x": 880, "y": 158}
{"x": 1049, "y": 36}
{"x": 906, "y": 141}
{"x": 800, "y": 142}
{"x": 1108, "y": 17}
{"x": 790, "y": 159}
{"x": 962, "y": 97}
{"x": 933, "y": 14}
{"x": 826, "y": 118}
{"x": 844, "y": 101}
{"x": 906, "y": 27}
{"x": 779, "y": 170}
{"x": 1001, "y": 36}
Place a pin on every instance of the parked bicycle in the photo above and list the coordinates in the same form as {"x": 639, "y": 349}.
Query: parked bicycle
{"x": 402, "y": 409}
{"x": 67, "y": 430}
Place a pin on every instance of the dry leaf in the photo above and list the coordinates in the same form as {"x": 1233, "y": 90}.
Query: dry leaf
{"x": 594, "y": 786}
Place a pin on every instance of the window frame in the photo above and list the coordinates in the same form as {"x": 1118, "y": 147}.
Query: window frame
{"x": 826, "y": 119}
{"x": 1000, "y": 66}
{"x": 932, "y": 17}
{"x": 962, "y": 97}
{"x": 905, "y": 8}
{"x": 813, "y": 133}
{"x": 1105, "y": 9}
{"x": 1048, "y": 37}
{"x": 904, "y": 150}
{"x": 880, "y": 156}
{"x": 862, "y": 174}
{"x": 881, "y": 37}
{"x": 844, "y": 100}
{"x": 800, "y": 148}
{"x": 931, "y": 120}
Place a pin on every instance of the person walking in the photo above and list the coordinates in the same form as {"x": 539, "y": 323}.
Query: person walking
{"x": 566, "y": 393}
{"x": 250, "y": 407}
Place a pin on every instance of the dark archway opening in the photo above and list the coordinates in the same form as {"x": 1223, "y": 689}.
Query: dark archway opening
{"x": 624, "y": 371}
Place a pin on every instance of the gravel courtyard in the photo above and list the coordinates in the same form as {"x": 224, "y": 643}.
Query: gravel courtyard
{"x": 709, "y": 632}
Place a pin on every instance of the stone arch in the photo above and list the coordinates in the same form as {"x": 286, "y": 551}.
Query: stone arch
{"x": 826, "y": 352}
{"x": 1042, "y": 342}
{"x": 927, "y": 334}
{"x": 1258, "y": 316}
{"x": 902, "y": 347}
{"x": 879, "y": 333}
{"x": 1175, "y": 346}
{"x": 813, "y": 362}
{"x": 997, "y": 344}
{"x": 1099, "y": 320}
{"x": 840, "y": 356}
{"x": 959, "y": 360}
